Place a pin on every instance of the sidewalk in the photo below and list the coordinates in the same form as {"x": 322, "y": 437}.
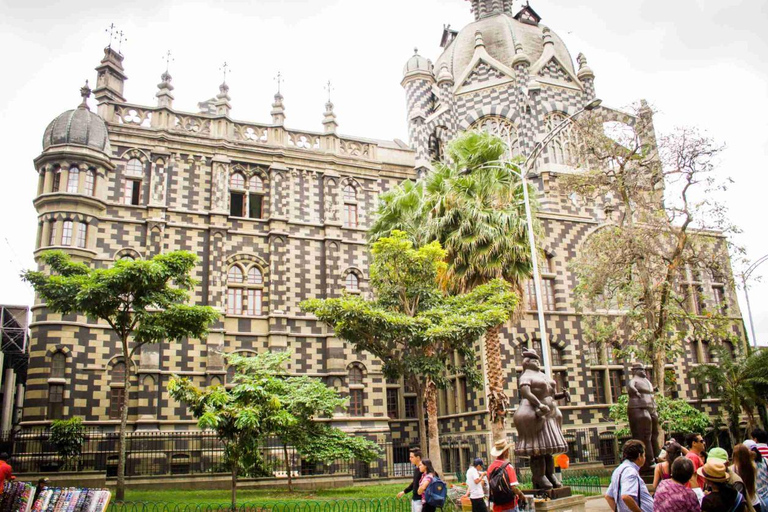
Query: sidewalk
{"x": 597, "y": 503}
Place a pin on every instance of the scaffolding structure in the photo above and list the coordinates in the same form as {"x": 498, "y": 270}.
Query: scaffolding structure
{"x": 14, "y": 362}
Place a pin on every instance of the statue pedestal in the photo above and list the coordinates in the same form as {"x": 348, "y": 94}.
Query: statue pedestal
{"x": 575, "y": 503}
{"x": 552, "y": 494}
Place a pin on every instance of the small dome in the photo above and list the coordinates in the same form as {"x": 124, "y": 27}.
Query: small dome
{"x": 78, "y": 127}
{"x": 417, "y": 63}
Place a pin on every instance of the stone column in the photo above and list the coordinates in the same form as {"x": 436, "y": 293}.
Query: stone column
{"x": 9, "y": 389}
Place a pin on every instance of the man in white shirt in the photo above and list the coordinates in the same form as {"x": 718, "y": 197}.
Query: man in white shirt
{"x": 475, "y": 477}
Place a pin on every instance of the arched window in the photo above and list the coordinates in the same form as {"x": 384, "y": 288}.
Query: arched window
{"x": 254, "y": 276}
{"x": 134, "y": 173}
{"x": 66, "y": 233}
{"x": 58, "y": 365}
{"x": 255, "y": 197}
{"x": 502, "y": 128}
{"x": 237, "y": 195}
{"x": 116, "y": 390}
{"x": 73, "y": 182}
{"x": 245, "y": 296}
{"x": 90, "y": 182}
{"x": 547, "y": 275}
{"x": 350, "y": 206}
{"x": 82, "y": 234}
{"x": 356, "y": 391}
{"x": 56, "y": 180}
{"x": 352, "y": 283}
{"x": 561, "y": 149}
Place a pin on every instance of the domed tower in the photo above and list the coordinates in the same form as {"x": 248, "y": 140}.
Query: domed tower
{"x": 72, "y": 172}
{"x": 505, "y": 72}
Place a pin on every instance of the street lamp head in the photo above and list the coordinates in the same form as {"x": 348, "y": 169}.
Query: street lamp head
{"x": 592, "y": 105}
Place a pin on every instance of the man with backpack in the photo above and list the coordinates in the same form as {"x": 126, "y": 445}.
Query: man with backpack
{"x": 415, "y": 458}
{"x": 505, "y": 493}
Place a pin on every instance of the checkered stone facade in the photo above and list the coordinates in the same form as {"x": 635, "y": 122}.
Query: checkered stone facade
{"x": 301, "y": 243}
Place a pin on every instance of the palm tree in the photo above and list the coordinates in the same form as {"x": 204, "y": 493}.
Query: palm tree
{"x": 474, "y": 207}
{"x": 740, "y": 382}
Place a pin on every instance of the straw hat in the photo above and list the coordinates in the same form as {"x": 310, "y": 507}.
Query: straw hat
{"x": 500, "y": 447}
{"x": 714, "y": 471}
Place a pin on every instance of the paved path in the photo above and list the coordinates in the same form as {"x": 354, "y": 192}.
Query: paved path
{"x": 597, "y": 504}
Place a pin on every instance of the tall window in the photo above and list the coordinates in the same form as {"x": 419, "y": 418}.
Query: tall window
{"x": 393, "y": 411}
{"x": 411, "y": 406}
{"x": 66, "y": 233}
{"x": 501, "y": 127}
{"x": 255, "y": 197}
{"x": 350, "y": 206}
{"x": 561, "y": 379}
{"x": 598, "y": 386}
{"x": 356, "y": 389}
{"x": 237, "y": 195}
{"x": 52, "y": 236}
{"x": 90, "y": 182}
{"x": 82, "y": 232}
{"x": 134, "y": 173}
{"x": 117, "y": 391}
{"x": 718, "y": 291}
{"x": 352, "y": 283}
{"x": 616, "y": 378}
{"x": 55, "y": 401}
{"x": 56, "y": 180}
{"x": 58, "y": 365}
{"x": 74, "y": 180}
{"x": 245, "y": 291}
{"x": 547, "y": 287}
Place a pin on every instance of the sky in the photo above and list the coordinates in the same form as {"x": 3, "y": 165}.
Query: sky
{"x": 700, "y": 63}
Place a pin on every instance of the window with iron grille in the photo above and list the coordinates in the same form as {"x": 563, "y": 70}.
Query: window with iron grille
{"x": 58, "y": 365}
{"x": 116, "y": 402}
{"x": 392, "y": 403}
{"x": 411, "y": 406}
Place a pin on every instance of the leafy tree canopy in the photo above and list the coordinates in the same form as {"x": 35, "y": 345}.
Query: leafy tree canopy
{"x": 676, "y": 416}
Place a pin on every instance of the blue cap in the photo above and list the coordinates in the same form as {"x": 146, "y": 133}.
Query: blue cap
{"x": 478, "y": 462}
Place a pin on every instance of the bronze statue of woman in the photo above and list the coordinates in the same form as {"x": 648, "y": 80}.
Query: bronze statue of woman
{"x": 539, "y": 422}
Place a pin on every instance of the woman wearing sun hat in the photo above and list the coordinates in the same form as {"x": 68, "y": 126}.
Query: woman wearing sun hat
{"x": 722, "y": 496}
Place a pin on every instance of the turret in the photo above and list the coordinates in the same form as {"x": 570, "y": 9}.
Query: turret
{"x": 110, "y": 82}
{"x": 587, "y": 77}
{"x": 418, "y": 80}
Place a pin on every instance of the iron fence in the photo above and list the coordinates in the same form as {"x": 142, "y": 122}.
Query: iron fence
{"x": 346, "y": 505}
{"x": 184, "y": 453}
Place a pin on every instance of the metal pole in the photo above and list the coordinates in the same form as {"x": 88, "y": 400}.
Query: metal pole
{"x": 545, "y": 356}
{"x": 749, "y": 311}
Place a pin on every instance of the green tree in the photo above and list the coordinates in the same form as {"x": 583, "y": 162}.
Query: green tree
{"x": 144, "y": 302}
{"x": 68, "y": 436}
{"x": 676, "y": 416}
{"x": 266, "y": 401}
{"x": 474, "y": 207}
{"x": 740, "y": 382}
{"x": 411, "y": 325}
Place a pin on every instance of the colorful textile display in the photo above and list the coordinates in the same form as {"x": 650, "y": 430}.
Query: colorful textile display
{"x": 17, "y": 497}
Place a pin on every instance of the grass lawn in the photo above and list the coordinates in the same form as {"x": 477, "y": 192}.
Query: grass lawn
{"x": 193, "y": 497}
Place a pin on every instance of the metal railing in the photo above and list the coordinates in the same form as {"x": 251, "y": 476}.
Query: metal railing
{"x": 186, "y": 453}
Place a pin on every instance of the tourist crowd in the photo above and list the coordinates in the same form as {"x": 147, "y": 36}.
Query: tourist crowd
{"x": 692, "y": 479}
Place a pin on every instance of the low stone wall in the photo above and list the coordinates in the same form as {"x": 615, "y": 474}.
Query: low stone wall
{"x": 87, "y": 479}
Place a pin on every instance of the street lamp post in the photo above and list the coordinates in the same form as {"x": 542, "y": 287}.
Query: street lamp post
{"x": 545, "y": 352}
{"x": 523, "y": 175}
{"x": 744, "y": 276}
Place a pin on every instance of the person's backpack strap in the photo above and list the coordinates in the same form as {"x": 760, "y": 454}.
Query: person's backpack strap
{"x": 739, "y": 501}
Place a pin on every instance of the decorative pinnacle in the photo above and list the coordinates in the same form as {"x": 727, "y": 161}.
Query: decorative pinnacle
{"x": 85, "y": 92}
{"x": 279, "y": 80}
{"x": 168, "y": 59}
{"x": 479, "y": 39}
{"x": 224, "y": 69}
{"x": 120, "y": 42}
{"x": 111, "y": 31}
{"x": 328, "y": 87}
{"x": 415, "y": 51}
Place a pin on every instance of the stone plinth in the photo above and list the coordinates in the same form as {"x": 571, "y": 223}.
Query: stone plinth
{"x": 552, "y": 494}
{"x": 570, "y": 504}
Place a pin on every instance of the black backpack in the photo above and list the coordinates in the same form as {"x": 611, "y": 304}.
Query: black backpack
{"x": 499, "y": 486}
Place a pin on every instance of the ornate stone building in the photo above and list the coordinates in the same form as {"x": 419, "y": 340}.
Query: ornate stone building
{"x": 277, "y": 216}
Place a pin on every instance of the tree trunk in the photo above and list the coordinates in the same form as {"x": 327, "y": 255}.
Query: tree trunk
{"x": 659, "y": 371}
{"x": 433, "y": 436}
{"x": 497, "y": 399}
{"x": 233, "y": 464}
{"x": 287, "y": 467}
{"x": 120, "y": 491}
{"x": 420, "y": 415}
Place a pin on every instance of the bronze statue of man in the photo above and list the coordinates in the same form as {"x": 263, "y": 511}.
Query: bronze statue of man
{"x": 643, "y": 418}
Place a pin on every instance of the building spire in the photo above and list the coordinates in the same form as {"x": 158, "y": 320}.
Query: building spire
{"x": 486, "y": 8}
{"x": 329, "y": 119}
{"x": 278, "y": 109}
{"x": 164, "y": 88}
{"x": 85, "y": 92}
